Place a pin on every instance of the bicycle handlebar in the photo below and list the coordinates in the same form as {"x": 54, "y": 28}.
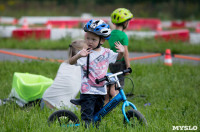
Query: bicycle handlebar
{"x": 129, "y": 70}
{"x": 101, "y": 80}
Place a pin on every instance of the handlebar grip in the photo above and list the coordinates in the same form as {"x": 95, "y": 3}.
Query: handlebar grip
{"x": 100, "y": 80}
{"x": 129, "y": 70}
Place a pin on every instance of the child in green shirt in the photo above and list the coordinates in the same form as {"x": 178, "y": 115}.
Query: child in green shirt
{"x": 120, "y": 18}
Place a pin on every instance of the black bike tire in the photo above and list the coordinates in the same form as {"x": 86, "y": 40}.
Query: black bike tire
{"x": 134, "y": 113}
{"x": 61, "y": 113}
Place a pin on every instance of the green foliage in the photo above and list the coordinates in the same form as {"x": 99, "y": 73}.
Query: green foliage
{"x": 163, "y": 9}
{"x": 173, "y": 94}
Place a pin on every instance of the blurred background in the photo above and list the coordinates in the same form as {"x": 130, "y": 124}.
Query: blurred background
{"x": 162, "y": 9}
{"x": 51, "y": 24}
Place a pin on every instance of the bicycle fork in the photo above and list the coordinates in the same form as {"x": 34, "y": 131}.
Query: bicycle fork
{"x": 126, "y": 104}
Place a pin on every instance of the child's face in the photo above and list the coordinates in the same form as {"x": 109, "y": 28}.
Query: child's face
{"x": 92, "y": 40}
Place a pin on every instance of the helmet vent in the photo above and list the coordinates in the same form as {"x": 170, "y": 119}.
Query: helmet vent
{"x": 97, "y": 22}
{"x": 125, "y": 14}
{"x": 104, "y": 31}
{"x": 114, "y": 16}
{"x": 97, "y": 29}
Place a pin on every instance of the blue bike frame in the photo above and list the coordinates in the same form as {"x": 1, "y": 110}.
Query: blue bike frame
{"x": 120, "y": 97}
{"x": 112, "y": 104}
{"x": 115, "y": 101}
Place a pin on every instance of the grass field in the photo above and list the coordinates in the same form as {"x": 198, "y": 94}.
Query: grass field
{"x": 173, "y": 94}
{"x": 166, "y": 96}
{"x": 135, "y": 45}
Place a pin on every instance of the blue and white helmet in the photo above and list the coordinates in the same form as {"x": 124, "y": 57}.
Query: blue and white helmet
{"x": 98, "y": 27}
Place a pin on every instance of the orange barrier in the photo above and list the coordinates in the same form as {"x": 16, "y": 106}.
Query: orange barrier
{"x": 145, "y": 57}
{"x": 53, "y": 60}
{"x": 187, "y": 57}
{"x": 131, "y": 59}
{"x": 29, "y": 57}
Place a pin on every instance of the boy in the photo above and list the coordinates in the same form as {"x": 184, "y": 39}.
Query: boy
{"x": 94, "y": 62}
{"x": 120, "y": 18}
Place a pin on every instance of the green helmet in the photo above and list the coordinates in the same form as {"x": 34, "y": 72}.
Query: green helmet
{"x": 121, "y": 15}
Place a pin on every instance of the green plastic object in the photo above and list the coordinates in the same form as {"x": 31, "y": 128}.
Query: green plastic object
{"x": 30, "y": 87}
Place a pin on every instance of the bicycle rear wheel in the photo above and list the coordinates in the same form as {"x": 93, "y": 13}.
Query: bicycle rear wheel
{"x": 135, "y": 118}
{"x": 64, "y": 118}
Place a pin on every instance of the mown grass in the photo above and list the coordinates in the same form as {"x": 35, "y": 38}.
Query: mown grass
{"x": 135, "y": 45}
{"x": 173, "y": 94}
{"x": 10, "y": 43}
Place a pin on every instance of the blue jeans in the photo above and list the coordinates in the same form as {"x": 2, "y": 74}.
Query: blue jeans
{"x": 90, "y": 104}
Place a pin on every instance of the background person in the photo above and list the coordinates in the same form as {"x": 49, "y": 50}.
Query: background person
{"x": 120, "y": 18}
{"x": 67, "y": 82}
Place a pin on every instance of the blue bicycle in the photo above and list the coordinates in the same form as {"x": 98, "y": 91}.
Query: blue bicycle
{"x": 132, "y": 116}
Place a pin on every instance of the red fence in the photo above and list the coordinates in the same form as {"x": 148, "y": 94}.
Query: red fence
{"x": 138, "y": 23}
{"x": 64, "y": 23}
{"x": 31, "y": 33}
{"x": 178, "y": 24}
{"x": 173, "y": 35}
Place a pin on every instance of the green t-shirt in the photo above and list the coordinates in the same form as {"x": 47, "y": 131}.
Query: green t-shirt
{"x": 117, "y": 35}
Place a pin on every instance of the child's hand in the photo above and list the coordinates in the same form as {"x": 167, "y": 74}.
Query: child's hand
{"x": 84, "y": 52}
{"x": 120, "y": 47}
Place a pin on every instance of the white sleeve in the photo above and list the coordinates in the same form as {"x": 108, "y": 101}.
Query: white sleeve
{"x": 113, "y": 56}
{"x": 81, "y": 61}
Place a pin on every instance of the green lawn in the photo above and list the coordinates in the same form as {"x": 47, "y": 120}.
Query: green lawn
{"x": 135, "y": 45}
{"x": 173, "y": 94}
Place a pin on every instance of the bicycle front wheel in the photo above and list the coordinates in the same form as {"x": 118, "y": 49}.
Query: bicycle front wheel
{"x": 64, "y": 118}
{"x": 135, "y": 118}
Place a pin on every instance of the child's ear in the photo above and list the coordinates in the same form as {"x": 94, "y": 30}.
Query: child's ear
{"x": 102, "y": 41}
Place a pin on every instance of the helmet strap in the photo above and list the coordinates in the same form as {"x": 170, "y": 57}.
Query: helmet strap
{"x": 124, "y": 25}
{"x": 88, "y": 63}
{"x": 99, "y": 44}
{"x": 88, "y": 58}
